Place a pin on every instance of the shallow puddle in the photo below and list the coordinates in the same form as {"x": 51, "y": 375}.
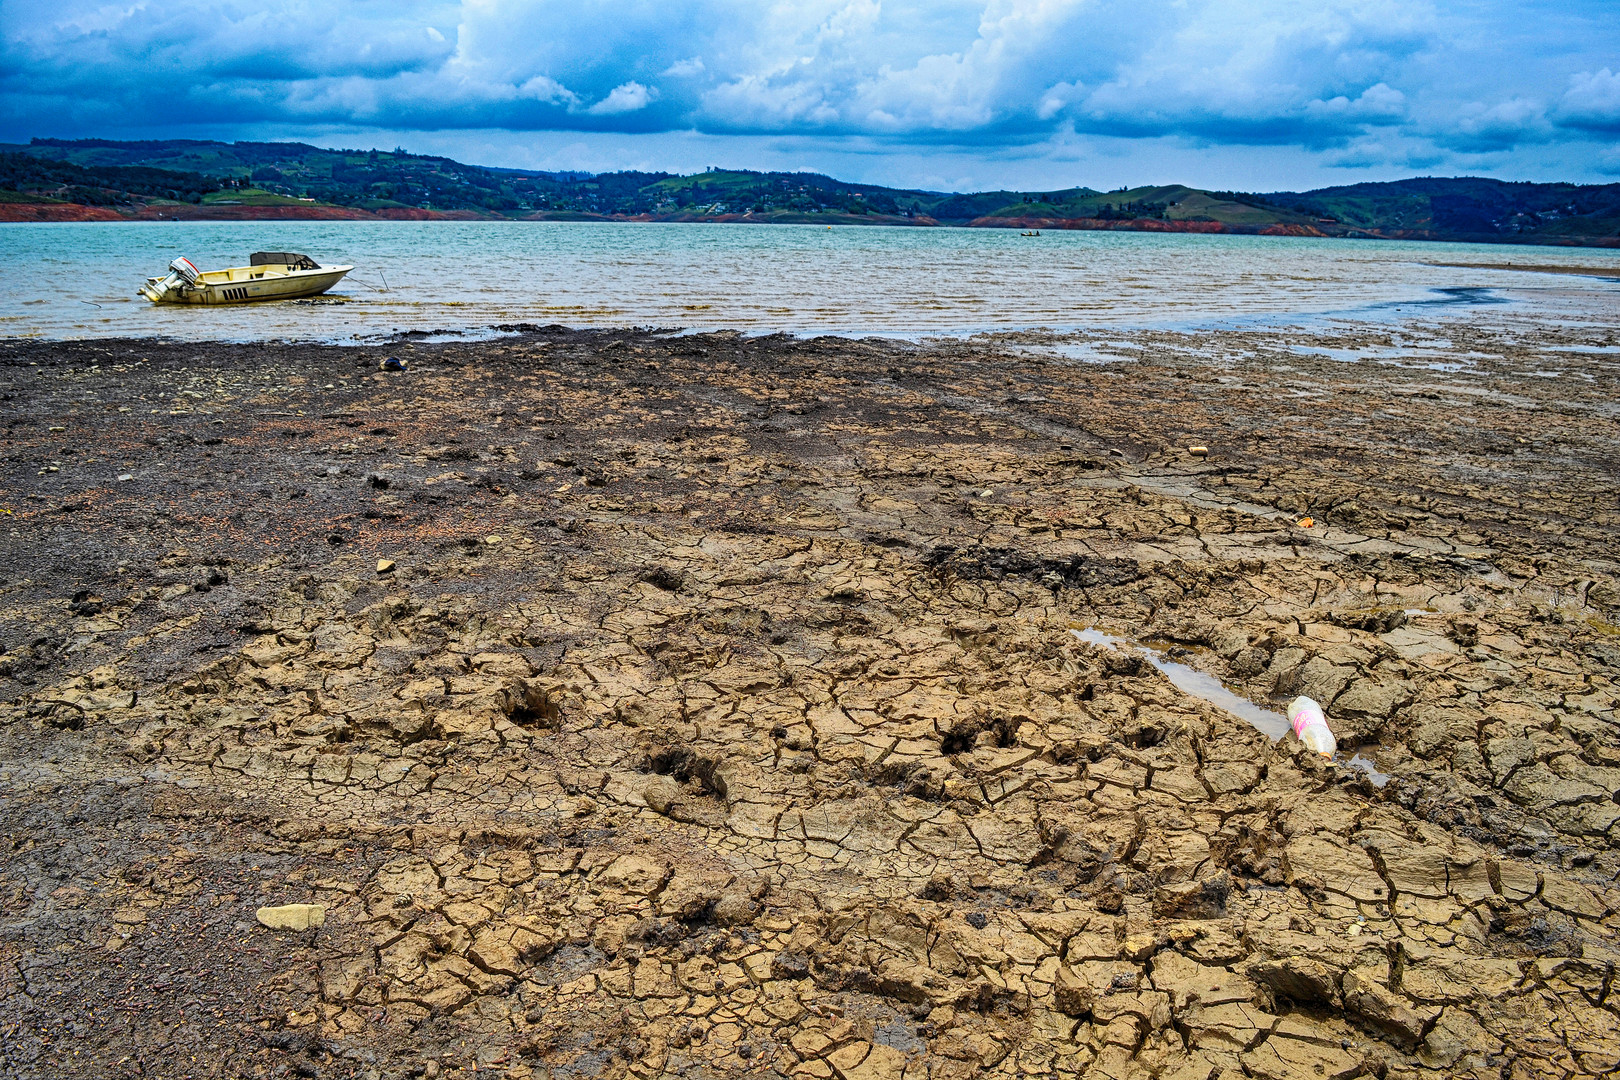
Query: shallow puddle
{"x": 1447, "y": 360}
{"x": 1085, "y": 352}
{"x": 1206, "y": 687}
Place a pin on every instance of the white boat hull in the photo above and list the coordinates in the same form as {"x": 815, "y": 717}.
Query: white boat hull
{"x": 246, "y": 285}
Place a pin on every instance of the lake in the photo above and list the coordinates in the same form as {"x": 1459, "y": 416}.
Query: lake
{"x": 78, "y": 280}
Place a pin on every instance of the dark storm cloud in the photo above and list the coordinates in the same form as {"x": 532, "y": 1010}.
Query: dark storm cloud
{"x": 1361, "y": 80}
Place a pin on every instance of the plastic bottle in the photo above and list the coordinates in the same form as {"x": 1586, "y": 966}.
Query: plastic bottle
{"x": 1310, "y": 726}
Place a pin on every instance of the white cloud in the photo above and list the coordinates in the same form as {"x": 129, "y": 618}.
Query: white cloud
{"x": 625, "y": 98}
{"x": 685, "y": 69}
{"x": 549, "y": 90}
{"x": 1376, "y": 104}
{"x": 1057, "y": 98}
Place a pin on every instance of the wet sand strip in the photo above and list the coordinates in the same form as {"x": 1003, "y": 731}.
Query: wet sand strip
{"x": 1538, "y": 268}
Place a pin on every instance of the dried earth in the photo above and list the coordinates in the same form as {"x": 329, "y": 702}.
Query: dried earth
{"x": 708, "y": 706}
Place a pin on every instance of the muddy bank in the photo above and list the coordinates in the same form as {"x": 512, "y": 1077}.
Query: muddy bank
{"x": 708, "y": 706}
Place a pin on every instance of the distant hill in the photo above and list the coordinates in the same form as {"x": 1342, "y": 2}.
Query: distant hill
{"x": 276, "y": 174}
{"x": 1174, "y": 207}
{"x": 106, "y": 186}
{"x": 83, "y": 179}
{"x": 1467, "y": 208}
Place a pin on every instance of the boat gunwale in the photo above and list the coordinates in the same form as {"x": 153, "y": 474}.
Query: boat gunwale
{"x": 203, "y": 276}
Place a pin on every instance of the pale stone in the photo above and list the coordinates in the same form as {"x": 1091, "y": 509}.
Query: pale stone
{"x": 292, "y": 916}
{"x": 1140, "y": 946}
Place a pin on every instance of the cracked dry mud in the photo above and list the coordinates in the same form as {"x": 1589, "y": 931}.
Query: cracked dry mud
{"x": 719, "y": 714}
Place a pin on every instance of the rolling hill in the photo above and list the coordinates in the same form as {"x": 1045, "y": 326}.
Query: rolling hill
{"x": 1467, "y": 208}
{"x": 90, "y": 179}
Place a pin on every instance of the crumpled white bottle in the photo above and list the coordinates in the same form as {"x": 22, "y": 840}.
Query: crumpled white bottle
{"x": 1310, "y": 726}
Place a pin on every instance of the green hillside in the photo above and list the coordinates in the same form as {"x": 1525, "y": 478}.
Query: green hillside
{"x": 1472, "y": 208}
{"x": 36, "y": 179}
{"x": 285, "y": 179}
{"x": 1174, "y": 202}
{"x": 731, "y": 191}
{"x": 363, "y": 179}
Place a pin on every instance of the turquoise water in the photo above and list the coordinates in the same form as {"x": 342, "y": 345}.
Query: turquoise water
{"x": 79, "y": 280}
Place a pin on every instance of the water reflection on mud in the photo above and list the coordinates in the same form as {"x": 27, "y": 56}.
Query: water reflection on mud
{"x": 1206, "y": 687}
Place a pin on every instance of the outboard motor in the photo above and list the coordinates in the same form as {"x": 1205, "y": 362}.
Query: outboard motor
{"x": 182, "y": 274}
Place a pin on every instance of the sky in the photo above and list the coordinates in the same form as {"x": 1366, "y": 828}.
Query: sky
{"x": 1258, "y": 95}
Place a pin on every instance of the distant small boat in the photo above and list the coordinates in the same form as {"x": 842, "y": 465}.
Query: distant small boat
{"x": 270, "y": 275}
{"x": 1035, "y": 232}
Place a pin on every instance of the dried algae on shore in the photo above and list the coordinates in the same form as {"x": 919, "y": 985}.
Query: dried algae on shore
{"x": 717, "y": 713}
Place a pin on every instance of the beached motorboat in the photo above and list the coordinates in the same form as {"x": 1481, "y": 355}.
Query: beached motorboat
{"x": 269, "y": 275}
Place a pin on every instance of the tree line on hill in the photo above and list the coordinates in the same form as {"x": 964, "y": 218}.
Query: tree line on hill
{"x": 100, "y": 186}
{"x": 110, "y": 173}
